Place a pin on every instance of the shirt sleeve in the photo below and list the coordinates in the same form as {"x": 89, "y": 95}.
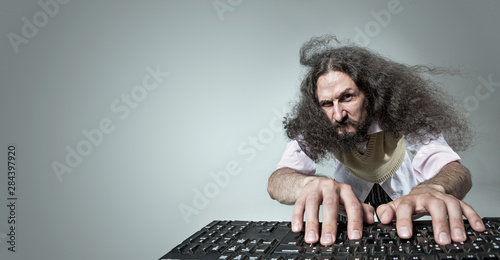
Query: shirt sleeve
{"x": 293, "y": 157}
{"x": 431, "y": 157}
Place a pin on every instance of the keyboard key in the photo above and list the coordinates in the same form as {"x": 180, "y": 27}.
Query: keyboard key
{"x": 445, "y": 256}
{"x": 312, "y": 250}
{"x": 293, "y": 239}
{"x": 256, "y": 258}
{"x": 263, "y": 249}
{"x": 423, "y": 240}
{"x": 473, "y": 248}
{"x": 487, "y": 256}
{"x": 357, "y": 242}
{"x": 454, "y": 248}
{"x": 380, "y": 250}
{"x": 370, "y": 241}
{"x": 216, "y": 249}
{"x": 288, "y": 258}
{"x": 476, "y": 239}
{"x": 491, "y": 247}
{"x": 288, "y": 249}
{"x": 327, "y": 250}
{"x": 435, "y": 249}
{"x": 345, "y": 251}
{"x": 233, "y": 249}
{"x": 247, "y": 249}
{"x": 270, "y": 242}
{"x": 365, "y": 250}
{"x": 466, "y": 256}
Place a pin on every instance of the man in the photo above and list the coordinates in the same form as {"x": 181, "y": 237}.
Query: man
{"x": 366, "y": 112}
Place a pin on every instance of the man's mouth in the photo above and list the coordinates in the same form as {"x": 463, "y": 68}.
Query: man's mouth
{"x": 344, "y": 125}
{"x": 343, "y": 129}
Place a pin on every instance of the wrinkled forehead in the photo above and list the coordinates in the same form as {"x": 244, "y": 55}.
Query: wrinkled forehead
{"x": 333, "y": 83}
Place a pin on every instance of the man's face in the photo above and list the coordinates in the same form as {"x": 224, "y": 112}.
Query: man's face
{"x": 342, "y": 102}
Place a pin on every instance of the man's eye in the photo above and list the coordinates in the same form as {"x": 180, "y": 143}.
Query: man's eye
{"x": 326, "y": 103}
{"x": 347, "y": 97}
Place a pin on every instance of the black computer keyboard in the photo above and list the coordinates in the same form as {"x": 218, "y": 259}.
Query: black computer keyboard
{"x": 275, "y": 240}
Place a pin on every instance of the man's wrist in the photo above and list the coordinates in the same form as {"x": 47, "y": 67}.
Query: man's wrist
{"x": 308, "y": 179}
{"x": 433, "y": 186}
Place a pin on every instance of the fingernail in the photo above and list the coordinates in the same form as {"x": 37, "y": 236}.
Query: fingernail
{"x": 444, "y": 238}
{"x": 311, "y": 237}
{"x": 405, "y": 232}
{"x": 327, "y": 239}
{"x": 356, "y": 234}
{"x": 459, "y": 233}
{"x": 295, "y": 227}
{"x": 480, "y": 224}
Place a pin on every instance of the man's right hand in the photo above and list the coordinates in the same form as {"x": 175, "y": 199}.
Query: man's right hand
{"x": 332, "y": 195}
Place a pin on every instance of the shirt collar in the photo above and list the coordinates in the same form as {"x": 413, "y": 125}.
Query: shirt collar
{"x": 374, "y": 128}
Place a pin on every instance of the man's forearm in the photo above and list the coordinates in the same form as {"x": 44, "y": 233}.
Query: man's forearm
{"x": 454, "y": 179}
{"x": 285, "y": 184}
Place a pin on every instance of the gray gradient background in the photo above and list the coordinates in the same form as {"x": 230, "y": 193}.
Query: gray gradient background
{"x": 229, "y": 81}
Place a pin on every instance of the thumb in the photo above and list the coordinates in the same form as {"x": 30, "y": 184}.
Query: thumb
{"x": 386, "y": 212}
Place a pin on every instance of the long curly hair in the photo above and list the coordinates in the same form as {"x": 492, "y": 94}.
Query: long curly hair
{"x": 399, "y": 97}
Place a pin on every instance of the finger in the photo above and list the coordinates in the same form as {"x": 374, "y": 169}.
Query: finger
{"x": 455, "y": 219}
{"x": 354, "y": 212}
{"x": 404, "y": 214}
{"x": 312, "y": 222}
{"x": 330, "y": 213}
{"x": 386, "y": 212}
{"x": 474, "y": 219}
{"x": 298, "y": 215}
{"x": 439, "y": 214}
{"x": 368, "y": 212}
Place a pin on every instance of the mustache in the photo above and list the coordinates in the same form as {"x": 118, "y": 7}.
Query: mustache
{"x": 346, "y": 121}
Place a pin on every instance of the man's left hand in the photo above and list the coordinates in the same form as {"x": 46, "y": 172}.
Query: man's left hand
{"x": 429, "y": 199}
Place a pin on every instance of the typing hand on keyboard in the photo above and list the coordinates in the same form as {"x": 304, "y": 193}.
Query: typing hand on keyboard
{"x": 439, "y": 197}
{"x": 446, "y": 211}
{"x": 331, "y": 195}
{"x": 436, "y": 197}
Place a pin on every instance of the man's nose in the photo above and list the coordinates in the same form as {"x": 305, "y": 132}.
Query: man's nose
{"x": 339, "y": 113}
